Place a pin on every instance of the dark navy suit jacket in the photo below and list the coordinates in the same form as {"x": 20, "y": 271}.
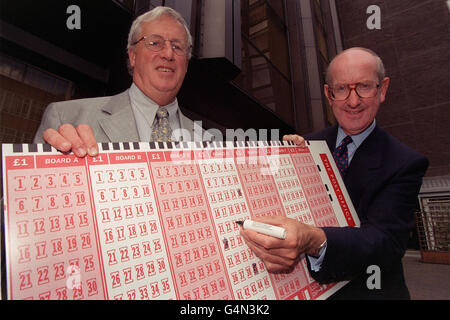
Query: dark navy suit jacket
{"x": 383, "y": 180}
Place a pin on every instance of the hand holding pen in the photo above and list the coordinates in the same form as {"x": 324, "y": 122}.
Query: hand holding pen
{"x": 263, "y": 228}
{"x": 278, "y": 254}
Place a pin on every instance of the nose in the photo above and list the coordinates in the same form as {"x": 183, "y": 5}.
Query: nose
{"x": 353, "y": 99}
{"x": 167, "y": 51}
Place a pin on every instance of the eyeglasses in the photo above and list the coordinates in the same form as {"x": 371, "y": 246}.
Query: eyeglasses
{"x": 157, "y": 43}
{"x": 366, "y": 89}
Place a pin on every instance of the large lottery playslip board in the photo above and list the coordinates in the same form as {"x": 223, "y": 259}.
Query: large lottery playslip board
{"x": 157, "y": 221}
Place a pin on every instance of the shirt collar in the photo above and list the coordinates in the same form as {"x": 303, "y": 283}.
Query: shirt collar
{"x": 172, "y": 108}
{"x": 143, "y": 102}
{"x": 359, "y": 138}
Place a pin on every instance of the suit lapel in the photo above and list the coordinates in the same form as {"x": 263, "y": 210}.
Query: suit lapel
{"x": 331, "y": 137}
{"x": 365, "y": 166}
{"x": 118, "y": 122}
{"x": 188, "y": 125}
{"x": 328, "y": 134}
{"x": 196, "y": 131}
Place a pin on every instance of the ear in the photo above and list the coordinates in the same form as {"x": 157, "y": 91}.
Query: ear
{"x": 131, "y": 57}
{"x": 383, "y": 88}
{"x": 327, "y": 93}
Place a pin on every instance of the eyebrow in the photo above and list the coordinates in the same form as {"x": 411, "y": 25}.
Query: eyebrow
{"x": 158, "y": 35}
{"x": 362, "y": 81}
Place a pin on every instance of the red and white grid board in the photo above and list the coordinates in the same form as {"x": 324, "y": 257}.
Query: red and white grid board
{"x": 157, "y": 221}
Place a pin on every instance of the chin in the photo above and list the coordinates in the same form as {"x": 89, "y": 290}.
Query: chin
{"x": 166, "y": 87}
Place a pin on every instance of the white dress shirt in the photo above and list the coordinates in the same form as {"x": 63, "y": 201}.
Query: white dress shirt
{"x": 144, "y": 110}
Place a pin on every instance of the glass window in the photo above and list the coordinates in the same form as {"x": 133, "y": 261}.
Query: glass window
{"x": 318, "y": 12}
{"x": 265, "y": 56}
{"x": 128, "y": 4}
{"x": 263, "y": 27}
{"x": 25, "y": 91}
{"x": 11, "y": 68}
{"x": 278, "y": 7}
{"x": 322, "y": 42}
{"x": 260, "y": 79}
{"x": 323, "y": 52}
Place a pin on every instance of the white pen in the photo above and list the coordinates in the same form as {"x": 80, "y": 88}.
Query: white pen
{"x": 263, "y": 228}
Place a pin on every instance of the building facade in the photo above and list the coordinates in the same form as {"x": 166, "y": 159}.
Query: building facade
{"x": 257, "y": 65}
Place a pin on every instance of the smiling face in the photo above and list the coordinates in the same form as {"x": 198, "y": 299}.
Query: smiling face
{"x": 355, "y": 114}
{"x": 159, "y": 74}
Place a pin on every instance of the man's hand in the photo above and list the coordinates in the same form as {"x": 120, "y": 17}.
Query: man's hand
{"x": 298, "y": 140}
{"x": 80, "y": 140}
{"x": 283, "y": 255}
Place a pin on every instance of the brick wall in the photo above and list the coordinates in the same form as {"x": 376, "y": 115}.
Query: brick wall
{"x": 414, "y": 44}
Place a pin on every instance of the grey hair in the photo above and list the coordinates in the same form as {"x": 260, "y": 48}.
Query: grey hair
{"x": 381, "y": 72}
{"x": 155, "y": 13}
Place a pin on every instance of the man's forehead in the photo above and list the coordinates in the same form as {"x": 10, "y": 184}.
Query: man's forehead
{"x": 355, "y": 62}
{"x": 161, "y": 23}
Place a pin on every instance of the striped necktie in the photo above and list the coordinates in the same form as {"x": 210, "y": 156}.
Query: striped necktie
{"x": 161, "y": 131}
{"x": 340, "y": 155}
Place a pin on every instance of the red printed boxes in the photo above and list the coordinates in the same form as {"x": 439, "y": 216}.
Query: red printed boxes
{"x": 157, "y": 221}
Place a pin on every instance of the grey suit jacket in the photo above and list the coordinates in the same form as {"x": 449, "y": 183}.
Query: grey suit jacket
{"x": 111, "y": 119}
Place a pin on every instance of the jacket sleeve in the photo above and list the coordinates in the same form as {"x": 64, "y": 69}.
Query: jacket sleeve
{"x": 383, "y": 235}
{"x": 50, "y": 119}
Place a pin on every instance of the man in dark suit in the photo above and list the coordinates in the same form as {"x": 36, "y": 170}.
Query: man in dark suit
{"x": 383, "y": 178}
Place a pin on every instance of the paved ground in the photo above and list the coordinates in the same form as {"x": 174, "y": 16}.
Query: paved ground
{"x": 426, "y": 281}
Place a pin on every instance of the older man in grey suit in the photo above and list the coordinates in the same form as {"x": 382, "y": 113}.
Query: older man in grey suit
{"x": 159, "y": 49}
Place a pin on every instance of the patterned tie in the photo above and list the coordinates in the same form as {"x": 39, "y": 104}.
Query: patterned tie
{"x": 340, "y": 155}
{"x": 161, "y": 131}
